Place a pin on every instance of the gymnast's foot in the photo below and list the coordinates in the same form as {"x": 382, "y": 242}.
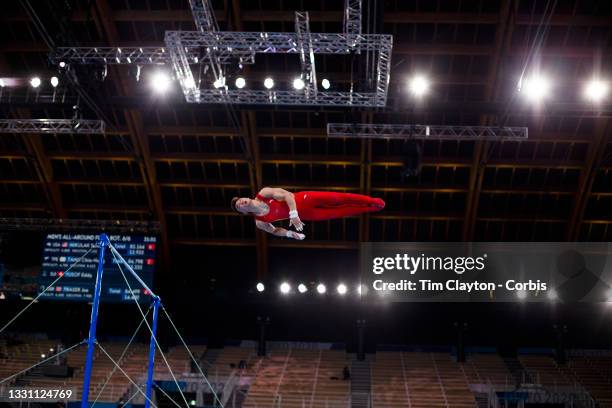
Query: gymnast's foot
{"x": 379, "y": 203}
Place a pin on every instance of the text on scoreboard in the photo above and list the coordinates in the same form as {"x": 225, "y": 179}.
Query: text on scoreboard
{"x": 61, "y": 251}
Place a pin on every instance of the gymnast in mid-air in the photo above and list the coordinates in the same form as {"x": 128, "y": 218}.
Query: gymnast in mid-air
{"x": 275, "y": 204}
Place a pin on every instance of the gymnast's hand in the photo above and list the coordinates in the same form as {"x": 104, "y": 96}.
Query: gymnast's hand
{"x": 296, "y": 223}
{"x": 295, "y": 235}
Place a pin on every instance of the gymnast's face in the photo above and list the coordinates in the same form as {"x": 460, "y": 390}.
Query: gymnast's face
{"x": 243, "y": 204}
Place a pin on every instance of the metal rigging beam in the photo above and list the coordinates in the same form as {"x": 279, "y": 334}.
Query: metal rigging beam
{"x": 351, "y": 23}
{"x": 433, "y": 132}
{"x": 307, "y": 59}
{"x": 203, "y": 15}
{"x": 184, "y": 48}
{"x": 58, "y": 224}
{"x": 53, "y": 126}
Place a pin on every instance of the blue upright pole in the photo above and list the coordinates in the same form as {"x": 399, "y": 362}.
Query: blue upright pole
{"x": 152, "y": 353}
{"x": 93, "y": 322}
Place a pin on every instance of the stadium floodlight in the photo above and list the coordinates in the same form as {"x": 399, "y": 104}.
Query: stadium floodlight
{"x": 419, "y": 85}
{"x": 325, "y": 83}
{"x": 2, "y": 83}
{"x": 298, "y": 84}
{"x": 552, "y": 295}
{"x": 62, "y": 64}
{"x": 321, "y": 288}
{"x": 54, "y": 81}
{"x": 260, "y": 287}
{"x": 269, "y": 83}
{"x": 596, "y": 90}
{"x": 160, "y": 82}
{"x": 35, "y": 82}
{"x": 190, "y": 83}
{"x": 219, "y": 82}
{"x": 285, "y": 288}
{"x": 302, "y": 288}
{"x": 240, "y": 82}
{"x": 341, "y": 289}
{"x": 535, "y": 88}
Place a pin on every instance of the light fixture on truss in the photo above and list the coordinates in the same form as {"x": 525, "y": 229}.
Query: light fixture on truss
{"x": 214, "y": 49}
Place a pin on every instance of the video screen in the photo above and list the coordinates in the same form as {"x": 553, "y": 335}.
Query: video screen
{"x": 75, "y": 256}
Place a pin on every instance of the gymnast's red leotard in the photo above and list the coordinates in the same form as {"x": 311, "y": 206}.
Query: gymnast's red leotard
{"x": 321, "y": 205}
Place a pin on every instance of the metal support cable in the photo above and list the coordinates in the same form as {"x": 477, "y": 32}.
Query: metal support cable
{"x": 127, "y": 376}
{"x": 43, "y": 361}
{"x": 120, "y": 358}
{"x": 45, "y": 290}
{"x": 150, "y": 330}
{"x": 191, "y": 356}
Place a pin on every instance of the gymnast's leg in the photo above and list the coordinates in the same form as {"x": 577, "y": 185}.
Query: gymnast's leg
{"x": 330, "y": 199}
{"x": 331, "y": 213}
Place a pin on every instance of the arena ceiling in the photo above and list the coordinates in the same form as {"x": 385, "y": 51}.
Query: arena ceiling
{"x": 180, "y": 164}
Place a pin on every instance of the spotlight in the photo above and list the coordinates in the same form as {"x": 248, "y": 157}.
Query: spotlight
{"x": 535, "y": 88}
{"x": 341, "y": 289}
{"x": 269, "y": 83}
{"x": 596, "y": 90}
{"x": 2, "y": 83}
{"x": 321, "y": 288}
{"x": 189, "y": 83}
{"x": 260, "y": 287}
{"x": 285, "y": 288}
{"x": 160, "y": 82}
{"x": 62, "y": 64}
{"x": 35, "y": 82}
{"x": 325, "y": 83}
{"x": 54, "y": 81}
{"x": 240, "y": 82}
{"x": 298, "y": 84}
{"x": 43, "y": 355}
{"x": 219, "y": 82}
{"x": 192, "y": 403}
{"x": 419, "y": 85}
{"x": 552, "y": 295}
{"x": 302, "y": 288}
{"x": 359, "y": 290}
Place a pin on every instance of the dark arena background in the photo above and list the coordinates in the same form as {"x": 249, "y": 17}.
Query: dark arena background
{"x": 127, "y": 127}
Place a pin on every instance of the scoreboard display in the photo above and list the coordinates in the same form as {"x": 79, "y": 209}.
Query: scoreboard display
{"x": 60, "y": 251}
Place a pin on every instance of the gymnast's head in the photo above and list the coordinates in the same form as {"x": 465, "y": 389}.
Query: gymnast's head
{"x": 242, "y": 205}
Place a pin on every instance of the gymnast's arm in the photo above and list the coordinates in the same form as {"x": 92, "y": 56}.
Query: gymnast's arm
{"x": 279, "y": 232}
{"x": 280, "y": 195}
{"x": 286, "y": 196}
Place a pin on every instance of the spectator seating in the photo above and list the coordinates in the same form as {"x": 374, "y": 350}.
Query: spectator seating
{"x": 486, "y": 368}
{"x": 415, "y": 379}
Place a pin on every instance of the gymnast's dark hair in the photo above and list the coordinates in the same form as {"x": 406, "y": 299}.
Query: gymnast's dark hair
{"x": 233, "y": 204}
